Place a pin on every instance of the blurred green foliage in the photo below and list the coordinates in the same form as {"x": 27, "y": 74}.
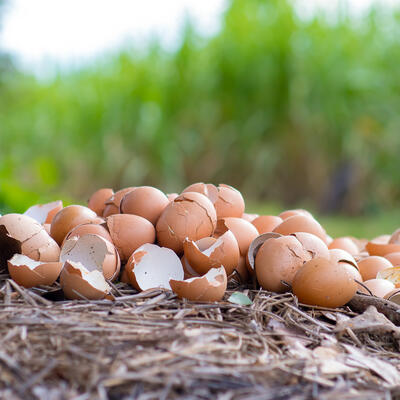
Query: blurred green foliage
{"x": 274, "y": 105}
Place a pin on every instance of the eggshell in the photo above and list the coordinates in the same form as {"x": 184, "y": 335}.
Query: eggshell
{"x": 29, "y": 273}
{"x": 301, "y": 223}
{"x": 394, "y": 258}
{"x": 230, "y": 202}
{"x": 244, "y": 231}
{"x": 188, "y": 271}
{"x": 207, "y": 189}
{"x": 172, "y": 196}
{"x": 128, "y": 232}
{"x": 255, "y": 246}
{"x": 30, "y": 239}
{"x": 97, "y": 201}
{"x": 47, "y": 228}
{"x": 145, "y": 201}
{"x": 395, "y": 237}
{"x": 151, "y": 266}
{"x": 321, "y": 282}
{"x": 277, "y": 260}
{"x": 376, "y": 248}
{"x": 391, "y": 274}
{"x": 209, "y": 252}
{"x": 94, "y": 252}
{"x": 344, "y": 243}
{"x": 290, "y": 213}
{"x": 347, "y": 261}
{"x": 393, "y": 296}
{"x": 266, "y": 223}
{"x": 84, "y": 229}
{"x": 378, "y": 287}
{"x": 79, "y": 283}
{"x": 68, "y": 218}
{"x": 242, "y": 270}
{"x": 44, "y": 213}
{"x": 370, "y": 266}
{"x": 113, "y": 203}
{"x": 249, "y": 217}
{"x": 210, "y": 287}
{"x": 191, "y": 215}
{"x": 313, "y": 244}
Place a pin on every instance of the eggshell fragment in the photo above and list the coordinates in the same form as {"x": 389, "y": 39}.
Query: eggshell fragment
{"x": 395, "y": 238}
{"x": 255, "y": 246}
{"x": 29, "y": 273}
{"x": 266, "y": 223}
{"x": 128, "y": 232}
{"x": 242, "y": 270}
{"x": 172, "y": 196}
{"x": 290, "y": 213}
{"x": 84, "y": 229}
{"x": 323, "y": 283}
{"x": 97, "y": 201}
{"x": 249, "y": 217}
{"x": 210, "y": 287}
{"x": 191, "y": 215}
{"x": 68, "y": 218}
{"x": 313, "y": 244}
{"x": 113, "y": 203}
{"x": 376, "y": 248}
{"x": 230, "y": 202}
{"x": 345, "y": 259}
{"x": 209, "y": 252}
{"x": 370, "y": 266}
{"x": 44, "y": 213}
{"x": 394, "y": 258}
{"x": 188, "y": 271}
{"x": 94, "y": 252}
{"x": 207, "y": 189}
{"x": 344, "y": 243}
{"x": 301, "y": 223}
{"x": 151, "y": 266}
{"x": 393, "y": 296}
{"x": 79, "y": 283}
{"x": 277, "y": 260}
{"x": 378, "y": 287}
{"x": 145, "y": 201}
{"x": 391, "y": 274}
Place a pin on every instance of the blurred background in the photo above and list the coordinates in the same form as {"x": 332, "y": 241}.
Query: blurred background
{"x": 295, "y": 103}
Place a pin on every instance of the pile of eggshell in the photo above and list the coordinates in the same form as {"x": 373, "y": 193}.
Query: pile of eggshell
{"x": 192, "y": 244}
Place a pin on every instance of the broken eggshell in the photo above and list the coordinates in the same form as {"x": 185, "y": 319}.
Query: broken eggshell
{"x": 29, "y": 273}
{"x": 391, "y": 274}
{"x": 346, "y": 244}
{"x": 113, "y": 203}
{"x": 209, "y": 287}
{"x": 266, "y": 223}
{"x": 84, "y": 229}
{"x": 44, "y": 213}
{"x": 97, "y": 201}
{"x": 378, "y": 287}
{"x": 230, "y": 202}
{"x": 313, "y": 244}
{"x": 207, "y": 189}
{"x": 370, "y": 266}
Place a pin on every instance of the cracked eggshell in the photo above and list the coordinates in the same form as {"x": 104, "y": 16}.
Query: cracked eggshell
{"x": 188, "y": 271}
{"x": 29, "y": 273}
{"x": 145, "y": 201}
{"x": 68, "y": 218}
{"x": 376, "y": 248}
{"x": 112, "y": 204}
{"x": 378, "y": 287}
{"x": 209, "y": 287}
{"x": 320, "y": 282}
{"x": 33, "y": 239}
{"x": 290, "y": 213}
{"x": 313, "y": 244}
{"x": 97, "y": 201}
{"x": 79, "y": 283}
{"x": 151, "y": 266}
{"x": 339, "y": 256}
{"x": 245, "y": 232}
{"x": 391, "y": 274}
{"x": 44, "y": 213}
{"x": 393, "y": 296}
{"x": 266, "y": 223}
{"x": 301, "y": 223}
{"x": 210, "y": 252}
{"x": 394, "y": 258}
{"x": 172, "y": 196}
{"x": 344, "y": 243}
{"x": 230, "y": 202}
{"x": 94, "y": 252}
{"x": 207, "y": 189}
{"x": 191, "y": 215}
{"x": 277, "y": 260}
{"x": 128, "y": 232}
{"x": 84, "y": 229}
{"x": 249, "y": 217}
{"x": 370, "y": 266}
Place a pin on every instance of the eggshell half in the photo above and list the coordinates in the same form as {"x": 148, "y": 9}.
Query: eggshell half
{"x": 378, "y": 287}
{"x": 113, "y": 203}
{"x": 313, "y": 244}
{"x": 346, "y": 244}
{"x": 44, "y": 213}
{"x": 230, "y": 202}
{"x": 290, "y": 213}
{"x": 210, "y": 287}
{"x": 249, "y": 217}
{"x": 266, "y": 223}
{"x": 394, "y": 258}
{"x": 391, "y": 274}
{"x": 370, "y": 266}
{"x": 29, "y": 273}
{"x": 376, "y": 248}
{"x": 301, "y": 223}
{"x": 84, "y": 229}
{"x": 207, "y": 189}
{"x": 97, "y": 201}
{"x": 393, "y": 296}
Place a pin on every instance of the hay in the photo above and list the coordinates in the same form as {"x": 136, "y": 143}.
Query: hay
{"x": 151, "y": 345}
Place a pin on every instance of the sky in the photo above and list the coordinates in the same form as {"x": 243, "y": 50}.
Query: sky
{"x": 40, "y": 33}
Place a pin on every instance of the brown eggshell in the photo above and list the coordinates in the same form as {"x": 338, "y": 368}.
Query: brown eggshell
{"x": 249, "y": 217}
{"x": 210, "y": 287}
{"x": 47, "y": 228}
{"x": 266, "y": 223}
{"x": 345, "y": 259}
{"x": 245, "y": 232}
{"x": 151, "y": 266}
{"x": 188, "y": 271}
{"x": 44, "y": 213}
{"x": 68, "y": 218}
{"x": 191, "y": 215}
{"x": 394, "y": 258}
{"x": 313, "y": 244}
{"x": 97, "y": 201}
{"x": 393, "y": 296}
{"x": 395, "y": 237}
{"x": 376, "y": 248}
{"x": 29, "y": 273}
{"x": 391, "y": 274}
{"x": 172, "y": 196}
{"x": 94, "y": 253}
{"x": 128, "y": 232}
{"x": 370, "y": 266}
{"x": 209, "y": 252}
{"x": 207, "y": 189}
{"x": 301, "y": 223}
{"x": 323, "y": 283}
{"x": 346, "y": 244}
{"x": 230, "y": 202}
{"x": 145, "y": 201}
{"x": 84, "y": 229}
{"x": 290, "y": 213}
{"x": 113, "y": 203}
{"x": 78, "y": 283}
{"x": 378, "y": 287}
{"x": 243, "y": 270}
{"x": 277, "y": 260}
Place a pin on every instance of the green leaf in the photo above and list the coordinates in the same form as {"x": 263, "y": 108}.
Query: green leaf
{"x": 240, "y": 298}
